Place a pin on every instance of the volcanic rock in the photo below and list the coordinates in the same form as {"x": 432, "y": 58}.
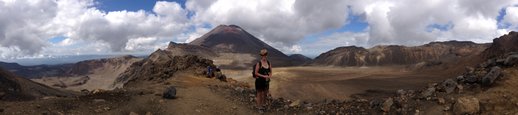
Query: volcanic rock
{"x": 502, "y": 45}
{"x": 428, "y": 92}
{"x": 490, "y": 77}
{"x": 181, "y": 49}
{"x": 511, "y": 60}
{"x": 449, "y": 85}
{"x": 161, "y": 65}
{"x": 470, "y": 78}
{"x": 169, "y": 93}
{"x": 466, "y": 105}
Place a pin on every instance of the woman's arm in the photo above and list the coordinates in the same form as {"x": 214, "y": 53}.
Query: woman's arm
{"x": 257, "y": 71}
{"x": 271, "y": 69}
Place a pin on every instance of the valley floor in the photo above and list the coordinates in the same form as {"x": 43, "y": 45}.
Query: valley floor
{"x": 319, "y": 83}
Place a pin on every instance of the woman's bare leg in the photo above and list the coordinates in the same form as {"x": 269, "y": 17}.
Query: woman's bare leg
{"x": 258, "y": 98}
{"x": 263, "y": 98}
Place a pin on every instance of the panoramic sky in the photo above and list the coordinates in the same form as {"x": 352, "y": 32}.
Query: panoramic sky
{"x": 47, "y": 28}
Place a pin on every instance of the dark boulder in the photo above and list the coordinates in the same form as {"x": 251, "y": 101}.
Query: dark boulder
{"x": 169, "y": 93}
{"x": 488, "y": 63}
{"x": 490, "y": 77}
{"x": 470, "y": 78}
{"x": 449, "y": 85}
{"x": 376, "y": 103}
{"x": 511, "y": 60}
{"x": 428, "y": 92}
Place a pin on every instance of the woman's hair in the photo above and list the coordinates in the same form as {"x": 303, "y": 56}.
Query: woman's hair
{"x": 263, "y": 52}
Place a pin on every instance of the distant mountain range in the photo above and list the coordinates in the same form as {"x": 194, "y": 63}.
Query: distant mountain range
{"x": 399, "y": 55}
{"x": 63, "y": 70}
{"x": 434, "y": 52}
{"x": 57, "y": 60}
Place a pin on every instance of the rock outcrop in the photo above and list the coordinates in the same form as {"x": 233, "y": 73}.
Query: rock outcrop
{"x": 399, "y": 55}
{"x": 181, "y": 49}
{"x": 161, "y": 65}
{"x": 502, "y": 45}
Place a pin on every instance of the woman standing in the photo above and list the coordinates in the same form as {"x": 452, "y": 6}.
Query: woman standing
{"x": 263, "y": 71}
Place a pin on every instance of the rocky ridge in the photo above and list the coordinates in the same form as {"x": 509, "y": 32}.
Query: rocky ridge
{"x": 399, "y": 55}
{"x": 66, "y": 70}
{"x": 161, "y": 65}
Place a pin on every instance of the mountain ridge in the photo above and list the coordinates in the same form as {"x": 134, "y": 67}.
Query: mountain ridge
{"x": 397, "y": 54}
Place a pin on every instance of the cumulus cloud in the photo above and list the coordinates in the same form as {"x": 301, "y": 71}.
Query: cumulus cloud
{"x": 511, "y": 17}
{"x": 117, "y": 27}
{"x": 409, "y": 22}
{"x": 282, "y": 22}
{"x": 27, "y": 25}
{"x": 19, "y": 26}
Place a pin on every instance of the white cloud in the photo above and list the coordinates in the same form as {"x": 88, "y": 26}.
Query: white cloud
{"x": 117, "y": 27}
{"x": 406, "y": 21}
{"x": 295, "y": 48}
{"x": 66, "y": 42}
{"x": 141, "y": 44}
{"x": 21, "y": 26}
{"x": 198, "y": 31}
{"x": 27, "y": 25}
{"x": 512, "y": 17}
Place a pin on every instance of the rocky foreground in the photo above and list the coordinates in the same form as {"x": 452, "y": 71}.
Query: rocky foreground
{"x": 465, "y": 94}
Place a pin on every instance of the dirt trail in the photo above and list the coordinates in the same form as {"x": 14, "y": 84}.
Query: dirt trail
{"x": 195, "y": 97}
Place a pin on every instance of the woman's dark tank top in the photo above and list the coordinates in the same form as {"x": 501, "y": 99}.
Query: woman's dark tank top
{"x": 264, "y": 71}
